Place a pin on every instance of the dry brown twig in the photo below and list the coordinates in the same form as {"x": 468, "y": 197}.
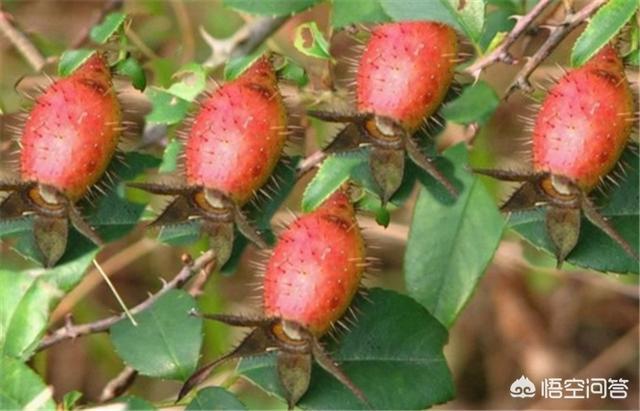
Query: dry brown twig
{"x": 501, "y": 53}
{"x": 242, "y": 42}
{"x": 69, "y": 331}
{"x": 556, "y": 35}
{"x": 119, "y": 384}
{"x": 21, "y": 42}
{"x": 310, "y": 162}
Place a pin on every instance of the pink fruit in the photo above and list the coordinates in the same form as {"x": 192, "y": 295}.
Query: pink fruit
{"x": 402, "y": 79}
{"x": 579, "y": 134}
{"x": 238, "y": 134}
{"x": 316, "y": 267}
{"x": 585, "y": 122}
{"x": 72, "y": 131}
{"x": 310, "y": 280}
{"x": 234, "y": 143}
{"x": 406, "y": 70}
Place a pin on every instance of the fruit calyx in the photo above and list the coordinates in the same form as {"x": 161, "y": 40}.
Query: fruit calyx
{"x": 564, "y": 201}
{"x": 319, "y": 258}
{"x": 389, "y": 143}
{"x": 218, "y": 212}
{"x": 295, "y": 345}
{"x": 402, "y": 78}
{"x": 68, "y": 141}
{"x": 580, "y": 132}
{"x": 51, "y": 210}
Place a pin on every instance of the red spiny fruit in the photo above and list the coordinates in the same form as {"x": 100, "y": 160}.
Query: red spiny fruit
{"x": 582, "y": 128}
{"x": 72, "y": 131}
{"x": 310, "y": 280}
{"x": 406, "y": 70}
{"x": 316, "y": 268}
{"x": 585, "y": 122}
{"x": 238, "y": 134}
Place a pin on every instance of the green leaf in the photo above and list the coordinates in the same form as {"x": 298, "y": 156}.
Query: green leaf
{"x": 70, "y": 400}
{"x": 166, "y": 342}
{"x": 111, "y": 23}
{"x": 21, "y": 388}
{"x": 132, "y": 69}
{"x": 235, "y": 67}
{"x": 595, "y": 249}
{"x": 450, "y": 245}
{"x": 166, "y": 108}
{"x": 134, "y": 403}
{"x": 310, "y": 41}
{"x": 15, "y": 226}
{"x": 393, "y": 353}
{"x": 170, "y": 156}
{"x": 465, "y": 15}
{"x": 602, "y": 27}
{"x": 498, "y": 23}
{"x": 72, "y": 59}
{"x": 193, "y": 80}
{"x": 345, "y": 12}
{"x": 633, "y": 58}
{"x": 353, "y": 166}
{"x": 496, "y": 41}
{"x": 271, "y": 8}
{"x": 292, "y": 71}
{"x": 477, "y": 103}
{"x": 336, "y": 170}
{"x": 180, "y": 234}
{"x": 26, "y": 299}
{"x": 215, "y": 399}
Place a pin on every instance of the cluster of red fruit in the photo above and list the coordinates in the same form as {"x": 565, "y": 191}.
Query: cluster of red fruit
{"x": 237, "y": 137}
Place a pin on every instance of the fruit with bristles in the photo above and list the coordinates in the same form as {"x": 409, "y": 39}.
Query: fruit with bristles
{"x": 69, "y": 138}
{"x": 579, "y": 134}
{"x": 310, "y": 280}
{"x": 402, "y": 78}
{"x": 234, "y": 143}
